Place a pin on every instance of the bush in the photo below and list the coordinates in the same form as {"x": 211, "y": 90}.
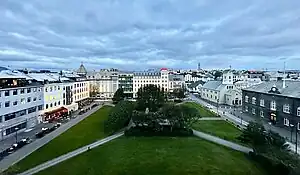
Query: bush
{"x": 273, "y": 168}
{"x": 147, "y": 131}
{"x": 178, "y": 101}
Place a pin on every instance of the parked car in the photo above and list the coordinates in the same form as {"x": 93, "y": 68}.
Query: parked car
{"x": 57, "y": 125}
{"x": 209, "y": 106}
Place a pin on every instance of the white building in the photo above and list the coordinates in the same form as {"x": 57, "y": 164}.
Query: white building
{"x": 103, "y": 83}
{"x": 21, "y": 103}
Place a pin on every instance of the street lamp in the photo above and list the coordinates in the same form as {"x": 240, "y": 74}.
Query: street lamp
{"x": 16, "y": 129}
{"x": 291, "y": 126}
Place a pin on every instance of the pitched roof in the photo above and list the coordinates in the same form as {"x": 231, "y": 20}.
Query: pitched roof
{"x": 82, "y": 69}
{"x": 291, "y": 90}
{"x": 214, "y": 85}
{"x": 195, "y": 84}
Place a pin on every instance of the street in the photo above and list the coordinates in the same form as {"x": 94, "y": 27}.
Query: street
{"x": 37, "y": 143}
{"x": 238, "y": 117}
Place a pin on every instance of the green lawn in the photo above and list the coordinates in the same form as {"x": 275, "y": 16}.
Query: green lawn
{"x": 85, "y": 132}
{"x": 204, "y": 112}
{"x": 157, "y": 156}
{"x": 219, "y": 128}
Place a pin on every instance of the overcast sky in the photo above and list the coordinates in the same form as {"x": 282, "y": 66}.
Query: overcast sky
{"x": 140, "y": 34}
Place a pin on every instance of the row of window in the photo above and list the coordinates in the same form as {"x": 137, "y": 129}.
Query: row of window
{"x": 52, "y": 88}
{"x": 18, "y": 91}
{"x": 21, "y": 113}
{"x": 286, "y": 107}
{"x": 206, "y": 90}
{"x": 80, "y": 85}
{"x": 211, "y": 96}
{"x": 286, "y": 122}
{"x": 80, "y": 90}
{"x": 52, "y": 104}
{"x": 7, "y": 104}
{"x": 15, "y": 128}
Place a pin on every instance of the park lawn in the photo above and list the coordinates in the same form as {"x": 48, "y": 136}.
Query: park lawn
{"x": 85, "y": 132}
{"x": 219, "y": 128}
{"x": 204, "y": 112}
{"x": 159, "y": 156}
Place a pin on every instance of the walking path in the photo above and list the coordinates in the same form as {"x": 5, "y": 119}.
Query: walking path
{"x": 69, "y": 155}
{"x": 211, "y": 118}
{"x": 28, "y": 149}
{"x": 222, "y": 142}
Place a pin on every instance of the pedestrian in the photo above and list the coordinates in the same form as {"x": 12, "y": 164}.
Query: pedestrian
{"x": 89, "y": 148}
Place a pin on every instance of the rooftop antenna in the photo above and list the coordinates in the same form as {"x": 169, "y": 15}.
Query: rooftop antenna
{"x": 283, "y": 85}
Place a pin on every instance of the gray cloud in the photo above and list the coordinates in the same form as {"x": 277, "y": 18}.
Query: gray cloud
{"x": 141, "y": 34}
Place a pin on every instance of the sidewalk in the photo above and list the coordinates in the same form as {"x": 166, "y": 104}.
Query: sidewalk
{"x": 28, "y": 149}
{"x": 222, "y": 142}
{"x": 69, "y": 155}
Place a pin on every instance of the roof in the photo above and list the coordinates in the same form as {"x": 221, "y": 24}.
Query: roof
{"x": 291, "y": 90}
{"x": 214, "y": 85}
{"x": 7, "y": 73}
{"x": 82, "y": 69}
{"x": 195, "y": 84}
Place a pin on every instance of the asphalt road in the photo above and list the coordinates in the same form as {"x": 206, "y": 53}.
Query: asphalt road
{"x": 28, "y": 149}
{"x": 236, "y": 116}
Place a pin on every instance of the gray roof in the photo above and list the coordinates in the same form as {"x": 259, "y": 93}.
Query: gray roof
{"x": 214, "y": 85}
{"x": 195, "y": 84}
{"x": 292, "y": 88}
{"x": 82, "y": 69}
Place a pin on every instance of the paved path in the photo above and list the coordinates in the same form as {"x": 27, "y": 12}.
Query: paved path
{"x": 28, "y": 149}
{"x": 70, "y": 155}
{"x": 211, "y": 118}
{"x": 241, "y": 121}
{"x": 222, "y": 142}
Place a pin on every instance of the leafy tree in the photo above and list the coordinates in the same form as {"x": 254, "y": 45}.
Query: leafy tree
{"x": 118, "y": 96}
{"x": 179, "y": 93}
{"x": 119, "y": 116}
{"x": 151, "y": 97}
{"x": 217, "y": 74}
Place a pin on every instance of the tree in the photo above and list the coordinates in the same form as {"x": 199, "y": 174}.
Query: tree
{"x": 179, "y": 93}
{"x": 119, "y": 116}
{"x": 151, "y": 97}
{"x": 217, "y": 74}
{"x": 118, "y": 96}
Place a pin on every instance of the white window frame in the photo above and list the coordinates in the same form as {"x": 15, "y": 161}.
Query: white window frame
{"x": 261, "y": 114}
{"x": 246, "y": 108}
{"x": 253, "y": 100}
{"x": 286, "y": 122}
{"x": 273, "y": 105}
{"x": 286, "y": 108}
{"x": 253, "y": 111}
{"x": 298, "y": 111}
{"x": 262, "y": 102}
{"x": 246, "y": 99}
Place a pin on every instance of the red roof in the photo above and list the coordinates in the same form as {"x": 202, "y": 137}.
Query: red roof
{"x": 164, "y": 68}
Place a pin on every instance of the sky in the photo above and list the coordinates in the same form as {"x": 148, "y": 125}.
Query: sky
{"x": 142, "y": 34}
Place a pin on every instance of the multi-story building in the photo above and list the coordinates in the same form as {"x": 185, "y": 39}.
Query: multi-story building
{"x": 276, "y": 102}
{"x": 176, "y": 81}
{"x": 158, "y": 78}
{"x": 103, "y": 83}
{"x": 21, "y": 102}
{"x": 126, "y": 83}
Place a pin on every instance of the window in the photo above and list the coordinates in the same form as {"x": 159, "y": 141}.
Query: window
{"x": 253, "y": 111}
{"x": 54, "y": 88}
{"x": 246, "y": 108}
{"x": 22, "y": 91}
{"x": 15, "y": 103}
{"x": 15, "y": 92}
{"x": 47, "y": 106}
{"x": 298, "y": 111}
{"x": 286, "y": 108}
{"x": 46, "y": 89}
{"x": 34, "y": 98}
{"x": 55, "y": 104}
{"x": 58, "y": 87}
{"x": 286, "y": 122}
{"x": 28, "y": 99}
{"x": 28, "y": 90}
{"x": 51, "y": 89}
{"x": 34, "y": 89}
{"x": 13, "y": 129}
{"x": 273, "y": 105}
{"x": 261, "y": 114}
{"x": 40, "y": 97}
{"x": 6, "y": 93}
{"x": 246, "y": 99}
{"x": 7, "y": 104}
{"x": 22, "y": 100}
{"x": 51, "y": 105}
{"x": 58, "y": 103}
{"x": 40, "y": 107}
{"x": 253, "y": 100}
{"x": 262, "y": 102}
{"x": 0, "y": 107}
{"x": 31, "y": 110}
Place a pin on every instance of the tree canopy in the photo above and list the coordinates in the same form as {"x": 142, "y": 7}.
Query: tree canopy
{"x": 118, "y": 96}
{"x": 151, "y": 97}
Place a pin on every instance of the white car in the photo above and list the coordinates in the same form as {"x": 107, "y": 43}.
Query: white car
{"x": 209, "y": 106}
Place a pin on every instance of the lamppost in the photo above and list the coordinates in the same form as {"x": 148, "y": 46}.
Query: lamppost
{"x": 16, "y": 129}
{"x": 291, "y": 126}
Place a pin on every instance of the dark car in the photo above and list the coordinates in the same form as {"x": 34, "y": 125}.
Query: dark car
{"x": 57, "y": 125}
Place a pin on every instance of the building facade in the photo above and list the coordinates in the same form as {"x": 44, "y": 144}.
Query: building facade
{"x": 274, "y": 102}
{"x": 126, "y": 83}
{"x": 21, "y": 103}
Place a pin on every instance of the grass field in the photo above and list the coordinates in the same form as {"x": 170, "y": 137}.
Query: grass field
{"x": 219, "y": 128}
{"x": 157, "y": 156}
{"x": 202, "y": 110}
{"x": 85, "y": 132}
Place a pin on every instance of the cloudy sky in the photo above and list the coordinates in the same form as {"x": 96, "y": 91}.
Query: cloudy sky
{"x": 140, "y": 34}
